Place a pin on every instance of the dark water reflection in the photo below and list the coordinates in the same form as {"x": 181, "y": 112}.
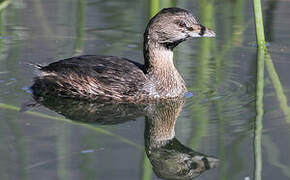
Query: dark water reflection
{"x": 169, "y": 158}
{"x": 218, "y": 120}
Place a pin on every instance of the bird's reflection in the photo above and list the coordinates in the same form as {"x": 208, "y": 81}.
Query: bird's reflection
{"x": 92, "y": 112}
{"x": 169, "y": 158}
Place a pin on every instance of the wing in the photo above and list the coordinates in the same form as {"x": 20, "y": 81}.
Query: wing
{"x": 91, "y": 75}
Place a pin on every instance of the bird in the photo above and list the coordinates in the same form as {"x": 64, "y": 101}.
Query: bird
{"x": 111, "y": 78}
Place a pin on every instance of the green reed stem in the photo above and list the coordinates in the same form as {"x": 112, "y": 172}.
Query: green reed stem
{"x": 259, "y": 23}
{"x": 259, "y": 89}
{"x": 146, "y": 168}
{"x": 153, "y": 7}
{"x": 259, "y": 113}
{"x": 81, "y": 11}
{"x": 282, "y": 98}
{"x": 201, "y": 113}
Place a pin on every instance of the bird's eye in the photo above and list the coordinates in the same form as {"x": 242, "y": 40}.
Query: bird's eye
{"x": 190, "y": 28}
{"x": 180, "y": 23}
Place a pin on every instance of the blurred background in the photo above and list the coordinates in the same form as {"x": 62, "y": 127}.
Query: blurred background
{"x": 219, "y": 119}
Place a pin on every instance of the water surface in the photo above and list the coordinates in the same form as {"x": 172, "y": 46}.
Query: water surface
{"x": 218, "y": 120}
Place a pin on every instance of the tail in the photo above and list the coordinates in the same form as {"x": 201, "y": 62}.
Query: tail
{"x": 37, "y": 66}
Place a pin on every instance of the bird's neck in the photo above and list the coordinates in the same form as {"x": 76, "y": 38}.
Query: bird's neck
{"x": 156, "y": 56}
{"x": 160, "y": 69}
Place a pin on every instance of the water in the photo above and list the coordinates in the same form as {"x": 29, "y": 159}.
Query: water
{"x": 217, "y": 119}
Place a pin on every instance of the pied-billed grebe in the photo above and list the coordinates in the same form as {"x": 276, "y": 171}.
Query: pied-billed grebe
{"x": 93, "y": 77}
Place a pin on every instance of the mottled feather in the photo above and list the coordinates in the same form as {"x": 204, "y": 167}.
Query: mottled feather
{"x": 91, "y": 76}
